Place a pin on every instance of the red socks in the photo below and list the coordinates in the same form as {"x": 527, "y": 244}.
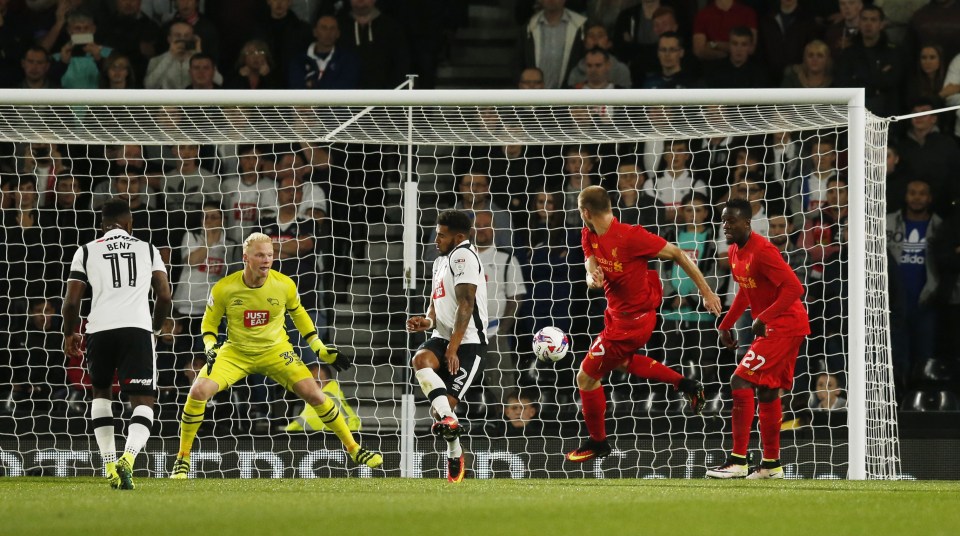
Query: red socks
{"x": 594, "y": 412}
{"x": 651, "y": 369}
{"x": 743, "y": 409}
{"x": 771, "y": 415}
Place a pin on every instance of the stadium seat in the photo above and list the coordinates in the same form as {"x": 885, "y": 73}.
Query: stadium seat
{"x": 690, "y": 369}
{"x": 936, "y": 371}
{"x": 653, "y": 401}
{"x": 947, "y": 401}
{"x": 920, "y": 401}
{"x": 715, "y": 403}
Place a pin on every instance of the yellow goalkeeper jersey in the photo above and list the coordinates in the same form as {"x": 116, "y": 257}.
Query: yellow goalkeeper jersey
{"x": 255, "y": 316}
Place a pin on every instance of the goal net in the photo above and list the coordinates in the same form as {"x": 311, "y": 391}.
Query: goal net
{"x": 351, "y": 188}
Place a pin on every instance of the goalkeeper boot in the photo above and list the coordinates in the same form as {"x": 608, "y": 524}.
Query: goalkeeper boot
{"x": 125, "y": 471}
{"x": 768, "y": 470}
{"x": 180, "y": 468}
{"x": 448, "y": 427}
{"x": 366, "y": 457}
{"x": 589, "y": 450}
{"x": 112, "y": 477}
{"x": 693, "y": 391}
{"x": 455, "y": 469}
{"x": 734, "y": 467}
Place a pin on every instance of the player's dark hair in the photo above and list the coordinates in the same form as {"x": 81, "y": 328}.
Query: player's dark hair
{"x": 739, "y": 206}
{"x": 114, "y": 210}
{"x": 595, "y": 199}
{"x": 457, "y": 221}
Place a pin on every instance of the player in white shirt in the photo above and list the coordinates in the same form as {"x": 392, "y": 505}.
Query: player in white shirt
{"x": 451, "y": 360}
{"x": 505, "y": 288}
{"x": 121, "y": 270}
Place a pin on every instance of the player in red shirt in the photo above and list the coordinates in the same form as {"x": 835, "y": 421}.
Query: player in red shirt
{"x": 617, "y": 256}
{"x": 774, "y": 295}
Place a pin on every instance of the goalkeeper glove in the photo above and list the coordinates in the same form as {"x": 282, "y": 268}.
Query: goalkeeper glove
{"x": 330, "y": 355}
{"x": 211, "y": 355}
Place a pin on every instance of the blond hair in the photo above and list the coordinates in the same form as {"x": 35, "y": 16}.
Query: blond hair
{"x": 256, "y": 238}
{"x": 595, "y": 199}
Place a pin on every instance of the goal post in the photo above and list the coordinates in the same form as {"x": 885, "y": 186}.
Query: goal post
{"x": 409, "y": 134}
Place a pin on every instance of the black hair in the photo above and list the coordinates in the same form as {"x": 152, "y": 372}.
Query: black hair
{"x": 741, "y": 207}
{"x": 671, "y": 35}
{"x": 114, "y": 210}
{"x": 457, "y": 221}
{"x": 923, "y": 101}
{"x": 597, "y": 50}
{"x": 877, "y": 9}
{"x": 742, "y": 31}
{"x": 36, "y": 48}
{"x": 200, "y": 56}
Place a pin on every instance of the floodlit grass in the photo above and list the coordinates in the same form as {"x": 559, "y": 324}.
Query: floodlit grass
{"x": 387, "y": 507}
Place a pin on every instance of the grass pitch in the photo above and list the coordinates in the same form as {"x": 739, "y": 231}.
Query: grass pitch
{"x": 387, "y": 507}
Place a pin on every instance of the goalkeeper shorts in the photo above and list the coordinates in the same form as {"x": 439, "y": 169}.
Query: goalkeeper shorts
{"x": 279, "y": 363}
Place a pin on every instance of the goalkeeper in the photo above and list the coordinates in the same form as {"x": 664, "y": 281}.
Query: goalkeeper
{"x": 254, "y": 302}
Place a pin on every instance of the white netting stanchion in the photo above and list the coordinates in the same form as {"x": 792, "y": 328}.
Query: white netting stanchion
{"x": 351, "y": 190}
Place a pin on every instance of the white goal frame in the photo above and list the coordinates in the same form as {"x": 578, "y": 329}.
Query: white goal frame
{"x": 857, "y": 144}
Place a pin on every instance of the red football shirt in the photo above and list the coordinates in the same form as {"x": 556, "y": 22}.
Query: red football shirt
{"x": 768, "y": 287}
{"x": 622, "y": 253}
{"x": 716, "y": 24}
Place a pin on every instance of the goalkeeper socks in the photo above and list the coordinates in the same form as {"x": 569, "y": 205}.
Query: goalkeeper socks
{"x": 594, "y": 411}
{"x": 331, "y": 417}
{"x": 743, "y": 410}
{"x": 101, "y": 414}
{"x": 651, "y": 369}
{"x": 436, "y": 391}
{"x": 190, "y": 421}
{"x": 453, "y": 448}
{"x": 140, "y": 425}
{"x": 771, "y": 416}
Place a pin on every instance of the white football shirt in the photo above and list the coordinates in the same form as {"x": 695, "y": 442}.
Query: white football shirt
{"x": 461, "y": 266}
{"x": 504, "y": 281}
{"x": 119, "y": 269}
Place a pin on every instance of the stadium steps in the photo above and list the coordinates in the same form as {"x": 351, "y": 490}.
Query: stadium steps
{"x": 483, "y": 53}
{"x": 381, "y": 384}
{"x": 371, "y": 313}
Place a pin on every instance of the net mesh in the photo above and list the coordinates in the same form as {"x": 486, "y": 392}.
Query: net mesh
{"x": 327, "y": 183}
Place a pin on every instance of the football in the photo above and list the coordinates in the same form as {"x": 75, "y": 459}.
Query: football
{"x": 550, "y": 344}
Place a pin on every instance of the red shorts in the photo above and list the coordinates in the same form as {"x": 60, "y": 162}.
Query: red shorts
{"x": 769, "y": 362}
{"x": 619, "y": 341}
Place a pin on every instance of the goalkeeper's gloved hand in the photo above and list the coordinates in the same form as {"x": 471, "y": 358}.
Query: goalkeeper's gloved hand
{"x": 211, "y": 355}
{"x": 330, "y": 355}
